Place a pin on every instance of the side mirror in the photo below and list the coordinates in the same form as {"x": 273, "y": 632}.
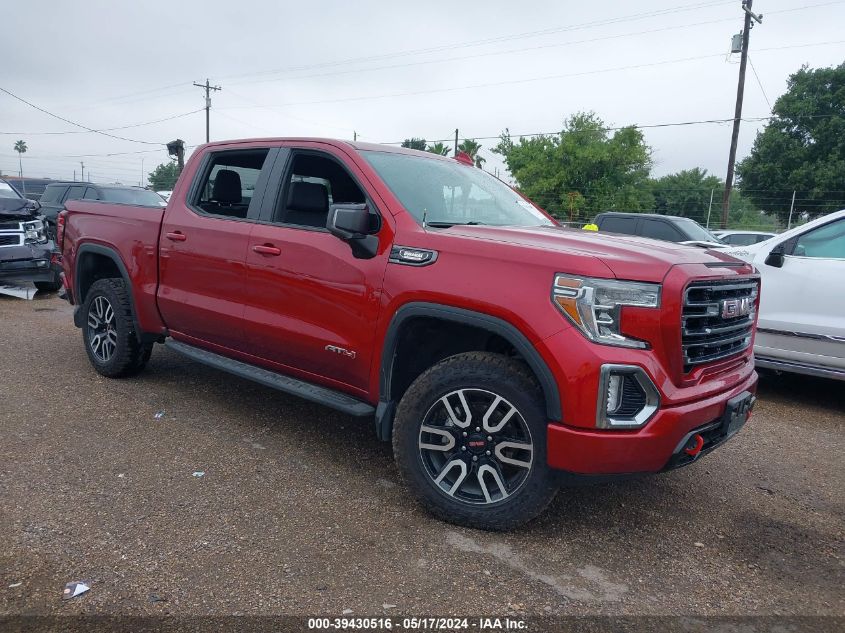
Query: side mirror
{"x": 775, "y": 258}
{"x": 349, "y": 221}
{"x": 354, "y": 224}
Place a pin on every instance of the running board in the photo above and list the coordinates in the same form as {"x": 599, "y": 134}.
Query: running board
{"x": 305, "y": 390}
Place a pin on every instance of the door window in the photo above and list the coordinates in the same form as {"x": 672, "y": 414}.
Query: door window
{"x": 626, "y": 226}
{"x": 91, "y": 194}
{"x": 659, "y": 230}
{"x": 52, "y": 194}
{"x": 227, "y": 185}
{"x": 826, "y": 242}
{"x": 314, "y": 183}
{"x": 75, "y": 192}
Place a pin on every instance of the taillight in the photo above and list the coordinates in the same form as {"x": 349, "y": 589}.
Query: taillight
{"x": 60, "y": 230}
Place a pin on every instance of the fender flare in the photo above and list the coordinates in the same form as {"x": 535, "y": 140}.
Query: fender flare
{"x": 98, "y": 249}
{"x": 387, "y": 403}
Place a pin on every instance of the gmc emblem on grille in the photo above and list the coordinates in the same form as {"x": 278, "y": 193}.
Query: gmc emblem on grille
{"x": 733, "y": 308}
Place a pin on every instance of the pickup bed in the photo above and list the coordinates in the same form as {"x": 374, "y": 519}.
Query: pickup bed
{"x": 499, "y": 352}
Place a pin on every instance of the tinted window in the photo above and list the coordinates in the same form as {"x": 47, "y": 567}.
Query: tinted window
{"x": 141, "y": 197}
{"x": 228, "y": 182}
{"x": 53, "y": 194}
{"x": 75, "y": 192}
{"x": 827, "y": 242}
{"x": 315, "y": 183}
{"x": 617, "y": 224}
{"x": 660, "y": 230}
{"x": 91, "y": 194}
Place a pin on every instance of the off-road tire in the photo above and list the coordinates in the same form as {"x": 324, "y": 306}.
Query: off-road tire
{"x": 502, "y": 376}
{"x": 129, "y": 356}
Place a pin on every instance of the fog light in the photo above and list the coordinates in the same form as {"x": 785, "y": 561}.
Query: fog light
{"x": 627, "y": 397}
{"x": 614, "y": 392}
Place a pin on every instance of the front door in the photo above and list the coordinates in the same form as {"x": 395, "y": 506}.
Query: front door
{"x": 203, "y": 247}
{"x": 312, "y": 306}
{"x": 801, "y": 303}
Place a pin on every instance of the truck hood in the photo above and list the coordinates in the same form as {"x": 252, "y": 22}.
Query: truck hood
{"x": 17, "y": 209}
{"x": 628, "y": 257}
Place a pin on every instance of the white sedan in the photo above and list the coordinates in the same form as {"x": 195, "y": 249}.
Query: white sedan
{"x": 801, "y": 326}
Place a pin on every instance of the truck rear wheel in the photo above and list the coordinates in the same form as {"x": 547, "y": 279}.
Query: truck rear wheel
{"x": 470, "y": 442}
{"x": 109, "y": 331}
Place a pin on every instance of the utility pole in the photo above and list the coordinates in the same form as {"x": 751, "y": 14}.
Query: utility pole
{"x": 740, "y": 91}
{"x": 354, "y": 135}
{"x": 82, "y": 178}
{"x": 791, "y": 207}
{"x": 710, "y": 208}
{"x": 208, "y": 88}
{"x": 456, "y": 141}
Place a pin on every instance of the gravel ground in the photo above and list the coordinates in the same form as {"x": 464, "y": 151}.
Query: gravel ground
{"x": 300, "y": 510}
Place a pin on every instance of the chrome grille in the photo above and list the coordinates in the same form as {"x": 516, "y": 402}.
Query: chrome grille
{"x": 708, "y": 330}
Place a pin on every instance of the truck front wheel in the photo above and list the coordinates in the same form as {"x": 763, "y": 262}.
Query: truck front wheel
{"x": 470, "y": 442}
{"x": 109, "y": 331}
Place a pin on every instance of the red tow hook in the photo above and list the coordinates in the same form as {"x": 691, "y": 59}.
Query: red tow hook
{"x": 692, "y": 451}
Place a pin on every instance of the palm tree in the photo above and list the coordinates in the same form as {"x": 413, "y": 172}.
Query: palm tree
{"x": 20, "y": 148}
{"x": 438, "y": 148}
{"x": 471, "y": 147}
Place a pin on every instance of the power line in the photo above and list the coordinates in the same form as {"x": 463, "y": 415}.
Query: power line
{"x": 760, "y": 83}
{"x": 490, "y": 40}
{"x": 530, "y": 79}
{"x": 84, "y": 127}
{"x": 107, "y": 129}
{"x": 529, "y": 48}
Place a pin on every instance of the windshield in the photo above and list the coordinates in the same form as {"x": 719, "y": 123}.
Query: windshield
{"x": 697, "y": 232}
{"x": 141, "y": 197}
{"x": 7, "y": 191}
{"x": 447, "y": 192}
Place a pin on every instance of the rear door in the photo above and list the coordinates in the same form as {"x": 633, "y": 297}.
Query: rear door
{"x": 311, "y": 305}
{"x": 203, "y": 245}
{"x": 802, "y": 303}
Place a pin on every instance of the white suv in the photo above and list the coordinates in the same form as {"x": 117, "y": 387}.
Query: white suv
{"x": 801, "y": 327}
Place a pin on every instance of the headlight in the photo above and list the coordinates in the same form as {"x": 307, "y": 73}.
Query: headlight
{"x": 34, "y": 232}
{"x": 595, "y": 305}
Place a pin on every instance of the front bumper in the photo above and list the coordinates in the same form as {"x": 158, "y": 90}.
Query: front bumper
{"x": 27, "y": 270}
{"x": 657, "y": 446}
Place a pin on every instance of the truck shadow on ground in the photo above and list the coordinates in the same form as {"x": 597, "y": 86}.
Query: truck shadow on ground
{"x": 347, "y": 447}
{"x": 810, "y": 391}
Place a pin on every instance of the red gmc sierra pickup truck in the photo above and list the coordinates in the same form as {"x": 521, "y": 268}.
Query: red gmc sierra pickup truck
{"x": 500, "y": 352}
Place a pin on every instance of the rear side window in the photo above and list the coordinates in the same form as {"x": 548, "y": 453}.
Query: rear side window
{"x": 91, "y": 194}
{"x": 742, "y": 239}
{"x": 140, "y": 197}
{"x": 228, "y": 183}
{"x": 615, "y": 224}
{"x": 75, "y": 192}
{"x": 658, "y": 230}
{"x": 53, "y": 194}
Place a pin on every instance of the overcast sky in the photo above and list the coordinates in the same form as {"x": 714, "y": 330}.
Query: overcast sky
{"x": 389, "y": 70}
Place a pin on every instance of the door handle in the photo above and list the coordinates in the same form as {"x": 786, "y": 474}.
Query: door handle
{"x": 267, "y": 249}
{"x": 176, "y": 236}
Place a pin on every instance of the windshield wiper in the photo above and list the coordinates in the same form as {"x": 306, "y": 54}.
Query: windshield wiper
{"x": 445, "y": 225}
